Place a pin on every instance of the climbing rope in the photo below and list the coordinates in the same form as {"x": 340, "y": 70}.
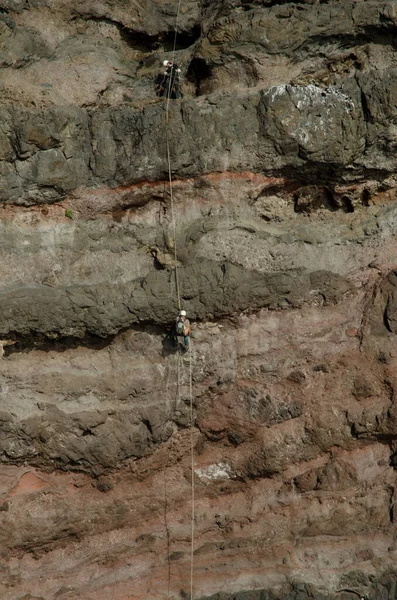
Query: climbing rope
{"x": 167, "y": 116}
{"x": 173, "y": 219}
{"x": 179, "y": 307}
{"x": 192, "y": 468}
{"x": 182, "y": 385}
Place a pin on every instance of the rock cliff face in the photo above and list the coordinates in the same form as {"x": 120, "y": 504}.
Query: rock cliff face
{"x": 284, "y": 221}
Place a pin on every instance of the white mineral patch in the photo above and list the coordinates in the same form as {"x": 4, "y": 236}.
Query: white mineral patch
{"x": 277, "y": 90}
{"x": 306, "y": 96}
{"x": 216, "y": 471}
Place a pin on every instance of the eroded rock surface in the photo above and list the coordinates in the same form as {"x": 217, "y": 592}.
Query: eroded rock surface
{"x": 294, "y": 484}
{"x": 279, "y": 236}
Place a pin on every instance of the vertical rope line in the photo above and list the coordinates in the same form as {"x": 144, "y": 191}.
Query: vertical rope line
{"x": 192, "y": 469}
{"x": 173, "y": 219}
{"x": 173, "y": 51}
{"x": 167, "y": 532}
{"x": 179, "y": 307}
{"x": 167, "y": 110}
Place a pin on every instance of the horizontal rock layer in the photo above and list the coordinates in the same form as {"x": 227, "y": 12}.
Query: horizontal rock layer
{"x": 324, "y": 117}
{"x": 293, "y": 459}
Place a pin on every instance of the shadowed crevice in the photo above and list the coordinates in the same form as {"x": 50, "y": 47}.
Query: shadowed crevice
{"x": 144, "y": 42}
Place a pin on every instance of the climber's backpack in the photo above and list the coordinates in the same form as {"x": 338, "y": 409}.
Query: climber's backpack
{"x": 180, "y": 327}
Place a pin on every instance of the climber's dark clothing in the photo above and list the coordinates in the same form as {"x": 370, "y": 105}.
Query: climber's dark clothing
{"x": 170, "y": 85}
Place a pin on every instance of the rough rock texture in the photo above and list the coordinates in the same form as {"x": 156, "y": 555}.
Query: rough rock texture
{"x": 280, "y": 236}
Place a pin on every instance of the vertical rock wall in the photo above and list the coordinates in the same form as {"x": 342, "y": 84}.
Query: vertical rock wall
{"x": 283, "y": 163}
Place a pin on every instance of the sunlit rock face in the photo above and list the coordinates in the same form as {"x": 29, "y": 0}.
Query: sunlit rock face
{"x": 280, "y": 237}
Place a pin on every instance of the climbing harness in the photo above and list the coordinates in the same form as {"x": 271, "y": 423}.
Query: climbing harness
{"x": 179, "y": 308}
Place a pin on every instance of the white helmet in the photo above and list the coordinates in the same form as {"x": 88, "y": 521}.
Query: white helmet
{"x": 182, "y": 313}
{"x": 166, "y": 63}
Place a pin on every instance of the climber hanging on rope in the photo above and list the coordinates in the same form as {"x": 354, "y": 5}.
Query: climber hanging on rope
{"x": 182, "y": 329}
{"x": 170, "y": 86}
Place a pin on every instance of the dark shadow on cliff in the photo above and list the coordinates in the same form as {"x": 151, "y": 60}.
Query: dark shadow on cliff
{"x": 169, "y": 344}
{"x": 198, "y": 72}
{"x": 59, "y": 343}
{"x": 144, "y": 42}
{"x": 384, "y": 35}
{"x": 148, "y": 43}
{"x": 36, "y": 341}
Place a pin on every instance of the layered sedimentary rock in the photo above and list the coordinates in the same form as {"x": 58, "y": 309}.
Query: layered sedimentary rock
{"x": 279, "y": 236}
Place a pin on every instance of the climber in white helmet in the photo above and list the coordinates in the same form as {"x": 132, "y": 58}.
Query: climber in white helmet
{"x": 170, "y": 85}
{"x": 182, "y": 328}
